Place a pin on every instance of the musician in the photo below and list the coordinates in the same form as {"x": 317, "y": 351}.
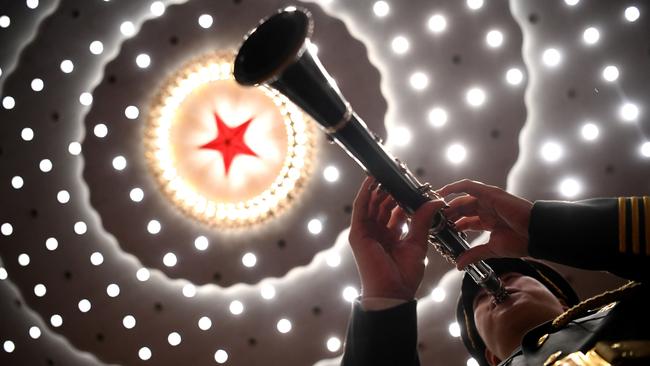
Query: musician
{"x": 541, "y": 322}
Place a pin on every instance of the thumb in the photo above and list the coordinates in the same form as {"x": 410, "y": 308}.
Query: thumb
{"x": 422, "y": 220}
{"x": 474, "y": 254}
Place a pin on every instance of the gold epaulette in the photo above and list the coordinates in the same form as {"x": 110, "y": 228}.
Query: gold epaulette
{"x": 634, "y": 218}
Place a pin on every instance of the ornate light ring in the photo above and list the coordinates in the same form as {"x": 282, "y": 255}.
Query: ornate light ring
{"x": 296, "y": 170}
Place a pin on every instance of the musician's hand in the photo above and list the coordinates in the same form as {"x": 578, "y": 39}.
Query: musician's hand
{"x": 492, "y": 209}
{"x": 390, "y": 265}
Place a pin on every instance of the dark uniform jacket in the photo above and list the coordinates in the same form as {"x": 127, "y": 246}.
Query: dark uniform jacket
{"x": 609, "y": 234}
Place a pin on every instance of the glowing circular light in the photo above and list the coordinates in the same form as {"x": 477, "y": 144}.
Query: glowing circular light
{"x": 51, "y": 244}
{"x": 174, "y": 339}
{"x": 96, "y": 259}
{"x": 221, "y": 356}
{"x": 144, "y": 353}
{"x": 333, "y": 259}
{"x": 454, "y": 329}
{"x": 400, "y": 136}
{"x": 589, "y": 131}
{"x": 570, "y": 187}
{"x": 35, "y": 332}
{"x": 472, "y": 362}
{"x": 143, "y": 60}
{"x": 315, "y": 226}
{"x": 437, "y": 117}
{"x": 127, "y": 28}
{"x": 37, "y": 85}
{"x": 128, "y": 322}
{"x": 63, "y": 196}
{"x": 610, "y": 73}
{"x": 629, "y": 112}
{"x": 284, "y": 326}
{"x": 67, "y": 66}
{"x": 154, "y": 227}
{"x": 17, "y": 182}
{"x": 381, "y": 8}
{"x": 96, "y": 47}
{"x": 8, "y": 102}
{"x": 331, "y": 174}
{"x": 6, "y": 229}
{"x": 74, "y": 148}
{"x": 86, "y": 99}
{"x": 419, "y": 80}
{"x": 438, "y": 294}
{"x": 170, "y": 259}
{"x": 456, "y": 153}
{"x": 40, "y": 290}
{"x": 201, "y": 243}
{"x": 157, "y": 8}
{"x": 45, "y": 165}
{"x": 100, "y": 130}
{"x": 205, "y": 21}
{"x": 551, "y": 57}
{"x": 400, "y": 45}
{"x": 571, "y": 2}
{"x": 5, "y": 21}
{"x": 113, "y": 290}
{"x": 3, "y": 274}
{"x": 437, "y": 23}
{"x": 267, "y": 291}
{"x": 136, "y": 194}
{"x": 236, "y": 307}
{"x": 205, "y": 323}
{"x": 551, "y": 151}
{"x": 9, "y": 346}
{"x": 474, "y": 4}
{"x": 84, "y": 306}
{"x": 131, "y": 112}
{"x": 645, "y": 149}
{"x": 333, "y": 344}
{"x": 632, "y": 13}
{"x": 591, "y": 35}
{"x": 249, "y": 260}
{"x": 56, "y": 320}
{"x": 475, "y": 97}
{"x": 23, "y": 260}
{"x": 189, "y": 290}
{"x": 119, "y": 162}
{"x": 27, "y": 134}
{"x": 514, "y": 76}
{"x": 142, "y": 274}
{"x": 80, "y": 227}
{"x": 350, "y": 293}
{"x": 32, "y": 4}
{"x": 494, "y": 38}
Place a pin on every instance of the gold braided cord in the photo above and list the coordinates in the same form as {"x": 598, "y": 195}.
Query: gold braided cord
{"x": 595, "y": 302}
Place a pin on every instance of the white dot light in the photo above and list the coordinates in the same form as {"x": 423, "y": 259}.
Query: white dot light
{"x": 331, "y": 174}
{"x": 494, "y": 38}
{"x": 472, "y": 362}
{"x": 456, "y": 153}
{"x": 201, "y": 243}
{"x": 475, "y": 97}
{"x": 315, "y": 226}
{"x": 32, "y": 4}
{"x": 127, "y": 28}
{"x": 170, "y": 260}
{"x": 86, "y": 99}
{"x": 153, "y": 227}
{"x": 5, "y": 21}
{"x": 400, "y": 136}
{"x": 40, "y": 290}
{"x": 174, "y": 339}
{"x": 131, "y": 112}
{"x": 205, "y": 323}
{"x": 84, "y": 306}
{"x": 67, "y": 66}
{"x": 551, "y": 151}
{"x": 189, "y": 290}
{"x": 23, "y": 259}
{"x": 437, "y": 117}
{"x": 51, "y": 244}
{"x": 284, "y": 326}
{"x": 267, "y": 291}
{"x": 400, "y": 45}
{"x": 474, "y": 4}
{"x": 27, "y": 134}
{"x": 249, "y": 260}
{"x": 113, "y": 290}
{"x": 143, "y": 60}
{"x": 419, "y": 80}
{"x": 8, "y": 102}
{"x": 45, "y": 165}
{"x": 350, "y": 293}
{"x": 35, "y": 332}
{"x": 570, "y": 187}
{"x": 74, "y": 148}
{"x": 80, "y": 227}
{"x": 96, "y": 47}
{"x": 454, "y": 329}
{"x": 3, "y": 274}
{"x": 136, "y": 194}
{"x": 236, "y": 307}
{"x": 56, "y": 320}
{"x": 6, "y": 229}
{"x": 438, "y": 294}
{"x": 96, "y": 259}
{"x": 333, "y": 344}
{"x": 437, "y": 23}
{"x": 157, "y": 8}
{"x": 610, "y": 73}
{"x": 514, "y": 76}
{"x": 571, "y": 2}
{"x": 128, "y": 322}
{"x": 17, "y": 182}
{"x": 37, "y": 85}
{"x": 333, "y": 259}
{"x": 221, "y": 356}
{"x": 551, "y": 57}
{"x": 381, "y": 9}
{"x": 9, "y": 346}
{"x": 591, "y": 35}
{"x": 100, "y": 130}
{"x": 144, "y": 353}
{"x": 142, "y": 274}
{"x": 645, "y": 149}
{"x": 632, "y": 13}
{"x": 589, "y": 131}
{"x": 63, "y": 196}
{"x": 205, "y": 21}
{"x": 629, "y": 112}
{"x": 119, "y": 162}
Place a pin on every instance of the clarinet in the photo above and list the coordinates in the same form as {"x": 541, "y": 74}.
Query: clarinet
{"x": 277, "y": 54}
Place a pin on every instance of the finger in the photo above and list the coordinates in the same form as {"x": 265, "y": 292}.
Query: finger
{"x": 474, "y": 188}
{"x": 397, "y": 220}
{"x": 386, "y": 210}
{"x": 474, "y": 254}
{"x": 422, "y": 220}
{"x": 461, "y": 206}
{"x": 378, "y": 196}
{"x": 471, "y": 223}
{"x": 360, "y": 205}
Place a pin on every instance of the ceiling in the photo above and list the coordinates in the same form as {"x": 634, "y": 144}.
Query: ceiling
{"x": 101, "y": 264}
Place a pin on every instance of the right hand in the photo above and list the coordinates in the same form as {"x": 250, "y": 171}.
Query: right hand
{"x": 492, "y": 209}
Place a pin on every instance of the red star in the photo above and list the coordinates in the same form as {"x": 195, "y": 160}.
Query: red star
{"x": 229, "y": 141}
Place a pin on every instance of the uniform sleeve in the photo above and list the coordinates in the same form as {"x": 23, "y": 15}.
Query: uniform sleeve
{"x": 609, "y": 234}
{"x": 382, "y": 338}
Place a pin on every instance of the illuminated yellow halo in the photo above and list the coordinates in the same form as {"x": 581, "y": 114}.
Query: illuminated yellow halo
{"x": 297, "y": 167}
